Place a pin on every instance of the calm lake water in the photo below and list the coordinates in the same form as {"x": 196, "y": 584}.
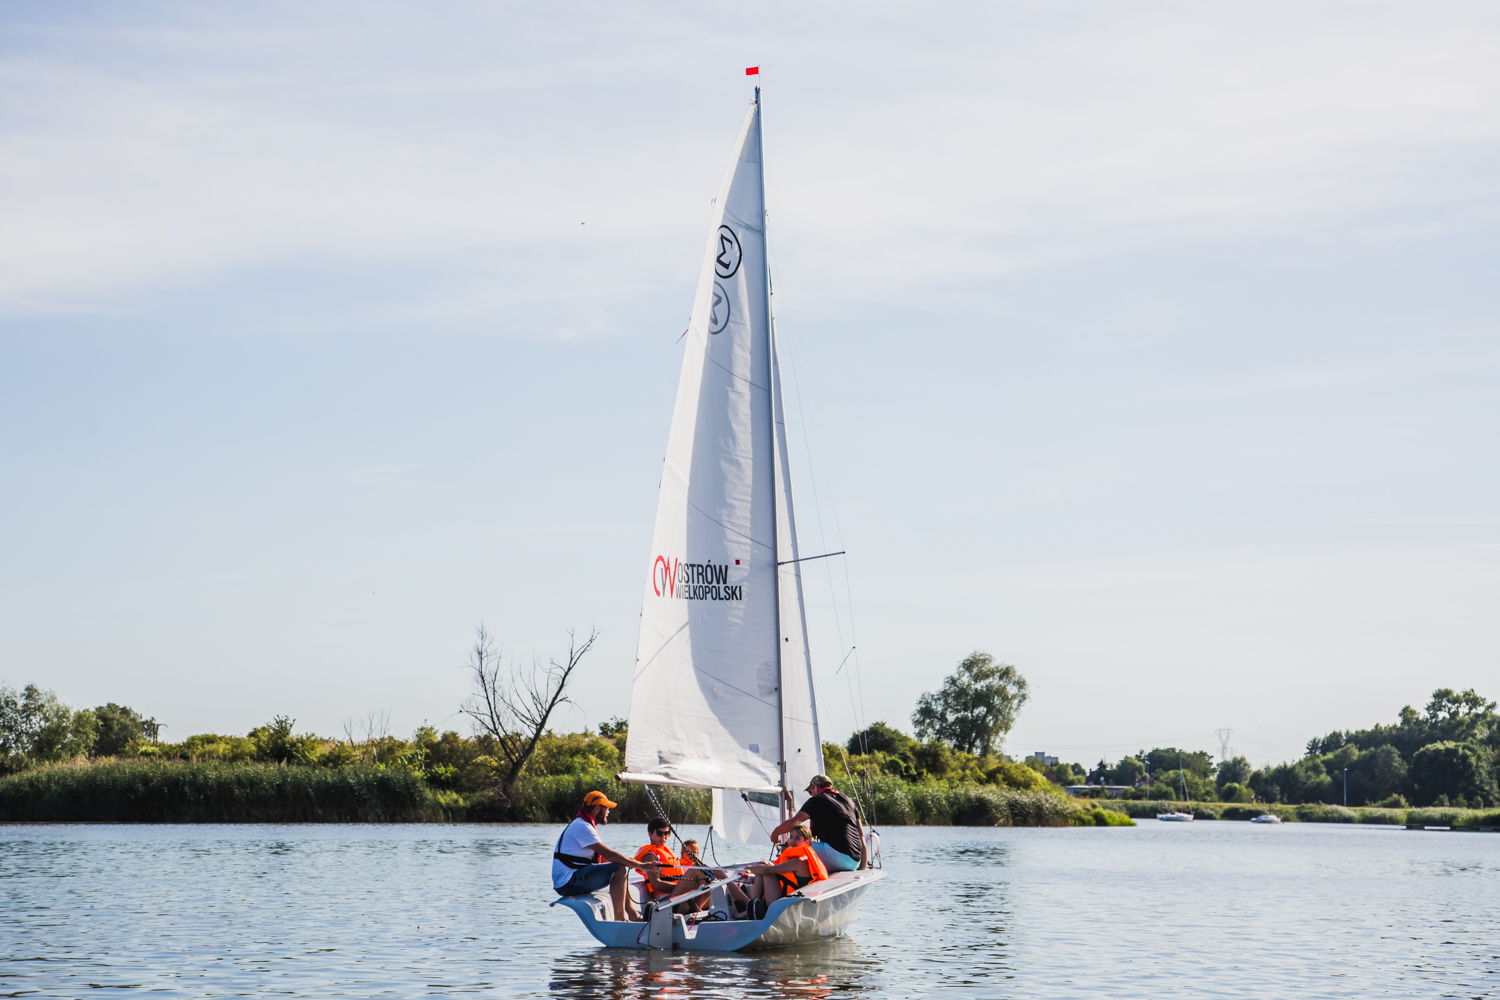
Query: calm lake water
{"x": 1207, "y": 909}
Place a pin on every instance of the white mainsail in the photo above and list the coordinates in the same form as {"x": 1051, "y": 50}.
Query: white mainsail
{"x": 723, "y": 693}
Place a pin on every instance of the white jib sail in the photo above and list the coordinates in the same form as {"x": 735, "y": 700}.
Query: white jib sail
{"x": 723, "y": 689}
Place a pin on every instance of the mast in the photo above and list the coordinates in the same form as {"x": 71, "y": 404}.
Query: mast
{"x": 760, "y": 138}
{"x": 738, "y": 720}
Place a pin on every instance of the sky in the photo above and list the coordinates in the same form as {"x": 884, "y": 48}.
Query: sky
{"x": 1150, "y": 348}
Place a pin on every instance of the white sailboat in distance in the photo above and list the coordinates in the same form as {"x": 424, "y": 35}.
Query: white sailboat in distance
{"x": 1175, "y": 816}
{"x": 723, "y": 695}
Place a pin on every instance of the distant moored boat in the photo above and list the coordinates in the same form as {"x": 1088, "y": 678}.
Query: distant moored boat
{"x": 1175, "y": 816}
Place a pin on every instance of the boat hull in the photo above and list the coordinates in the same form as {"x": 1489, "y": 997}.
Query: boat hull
{"x": 791, "y": 920}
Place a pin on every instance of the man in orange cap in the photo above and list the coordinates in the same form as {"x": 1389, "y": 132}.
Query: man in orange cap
{"x": 583, "y": 863}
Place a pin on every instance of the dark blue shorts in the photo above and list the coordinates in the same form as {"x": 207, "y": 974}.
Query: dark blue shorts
{"x": 590, "y": 879}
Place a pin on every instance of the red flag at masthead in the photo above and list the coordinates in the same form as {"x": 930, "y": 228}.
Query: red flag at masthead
{"x": 752, "y": 71}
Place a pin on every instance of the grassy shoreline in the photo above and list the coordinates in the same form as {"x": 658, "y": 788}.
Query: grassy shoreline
{"x": 136, "y": 791}
{"x": 1313, "y": 813}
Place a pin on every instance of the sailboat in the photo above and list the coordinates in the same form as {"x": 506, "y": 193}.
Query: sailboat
{"x": 1175, "y": 816}
{"x": 723, "y": 694}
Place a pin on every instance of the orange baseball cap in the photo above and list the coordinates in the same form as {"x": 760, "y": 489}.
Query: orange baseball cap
{"x": 598, "y": 799}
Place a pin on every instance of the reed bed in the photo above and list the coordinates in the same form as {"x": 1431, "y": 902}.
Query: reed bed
{"x": 1142, "y": 809}
{"x": 888, "y": 801}
{"x": 891, "y": 802}
{"x": 1478, "y": 819}
{"x": 146, "y": 791}
{"x": 556, "y": 798}
{"x": 182, "y": 792}
{"x": 1459, "y": 819}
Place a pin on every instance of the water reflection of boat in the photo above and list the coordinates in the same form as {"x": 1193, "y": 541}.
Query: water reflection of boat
{"x": 723, "y": 689}
{"x": 817, "y": 971}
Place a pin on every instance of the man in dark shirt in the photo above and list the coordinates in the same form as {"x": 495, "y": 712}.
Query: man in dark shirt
{"x": 835, "y": 823}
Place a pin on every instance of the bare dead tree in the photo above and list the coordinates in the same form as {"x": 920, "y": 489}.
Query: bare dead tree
{"x": 512, "y": 706}
{"x": 375, "y": 726}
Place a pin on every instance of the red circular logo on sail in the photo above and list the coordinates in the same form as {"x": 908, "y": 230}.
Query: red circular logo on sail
{"x": 661, "y": 576}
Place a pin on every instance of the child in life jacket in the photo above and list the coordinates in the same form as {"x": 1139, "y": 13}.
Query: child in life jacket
{"x": 796, "y": 867}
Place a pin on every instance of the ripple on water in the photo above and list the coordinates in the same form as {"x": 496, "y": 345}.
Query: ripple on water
{"x": 330, "y": 911}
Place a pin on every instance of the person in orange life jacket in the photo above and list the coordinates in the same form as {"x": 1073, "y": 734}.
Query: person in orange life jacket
{"x": 673, "y": 880}
{"x": 663, "y": 881}
{"x": 798, "y": 866}
{"x": 841, "y": 840}
{"x": 582, "y": 863}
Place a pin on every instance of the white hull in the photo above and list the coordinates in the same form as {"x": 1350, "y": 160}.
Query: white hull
{"x": 1267, "y": 818}
{"x": 820, "y": 911}
{"x": 1175, "y": 817}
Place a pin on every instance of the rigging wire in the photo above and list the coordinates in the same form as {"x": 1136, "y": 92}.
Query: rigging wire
{"x": 711, "y": 848}
{"x": 663, "y": 814}
{"x": 751, "y": 806}
{"x": 855, "y": 678}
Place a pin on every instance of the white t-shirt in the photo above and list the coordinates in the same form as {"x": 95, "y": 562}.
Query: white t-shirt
{"x": 576, "y": 842}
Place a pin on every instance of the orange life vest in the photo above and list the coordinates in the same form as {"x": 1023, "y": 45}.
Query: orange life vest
{"x": 815, "y": 866}
{"x": 668, "y": 872}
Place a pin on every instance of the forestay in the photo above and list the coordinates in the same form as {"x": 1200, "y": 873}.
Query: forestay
{"x": 723, "y": 690}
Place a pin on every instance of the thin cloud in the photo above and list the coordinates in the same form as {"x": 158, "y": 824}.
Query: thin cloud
{"x": 381, "y": 475}
{"x": 138, "y": 159}
{"x": 1424, "y": 520}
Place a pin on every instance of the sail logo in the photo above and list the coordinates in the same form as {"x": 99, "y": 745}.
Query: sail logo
{"x": 687, "y": 581}
{"x": 718, "y": 310}
{"x": 727, "y": 261}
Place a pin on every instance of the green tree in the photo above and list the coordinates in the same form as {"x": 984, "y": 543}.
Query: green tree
{"x": 1236, "y": 770}
{"x": 1381, "y": 774}
{"x": 211, "y": 746}
{"x": 1233, "y": 791}
{"x": 274, "y": 742}
{"x": 1450, "y": 770}
{"x": 37, "y": 728}
{"x": 1465, "y": 708}
{"x": 976, "y": 706}
{"x": 1380, "y": 763}
{"x": 936, "y": 759}
{"x": 881, "y": 738}
{"x": 1013, "y": 775}
{"x": 1164, "y": 759}
{"x": 119, "y": 726}
{"x": 1126, "y": 771}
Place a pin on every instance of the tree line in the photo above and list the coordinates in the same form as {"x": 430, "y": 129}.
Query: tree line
{"x": 1446, "y": 755}
{"x": 510, "y": 708}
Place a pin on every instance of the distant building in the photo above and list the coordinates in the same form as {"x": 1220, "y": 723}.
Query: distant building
{"x": 1041, "y": 758}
